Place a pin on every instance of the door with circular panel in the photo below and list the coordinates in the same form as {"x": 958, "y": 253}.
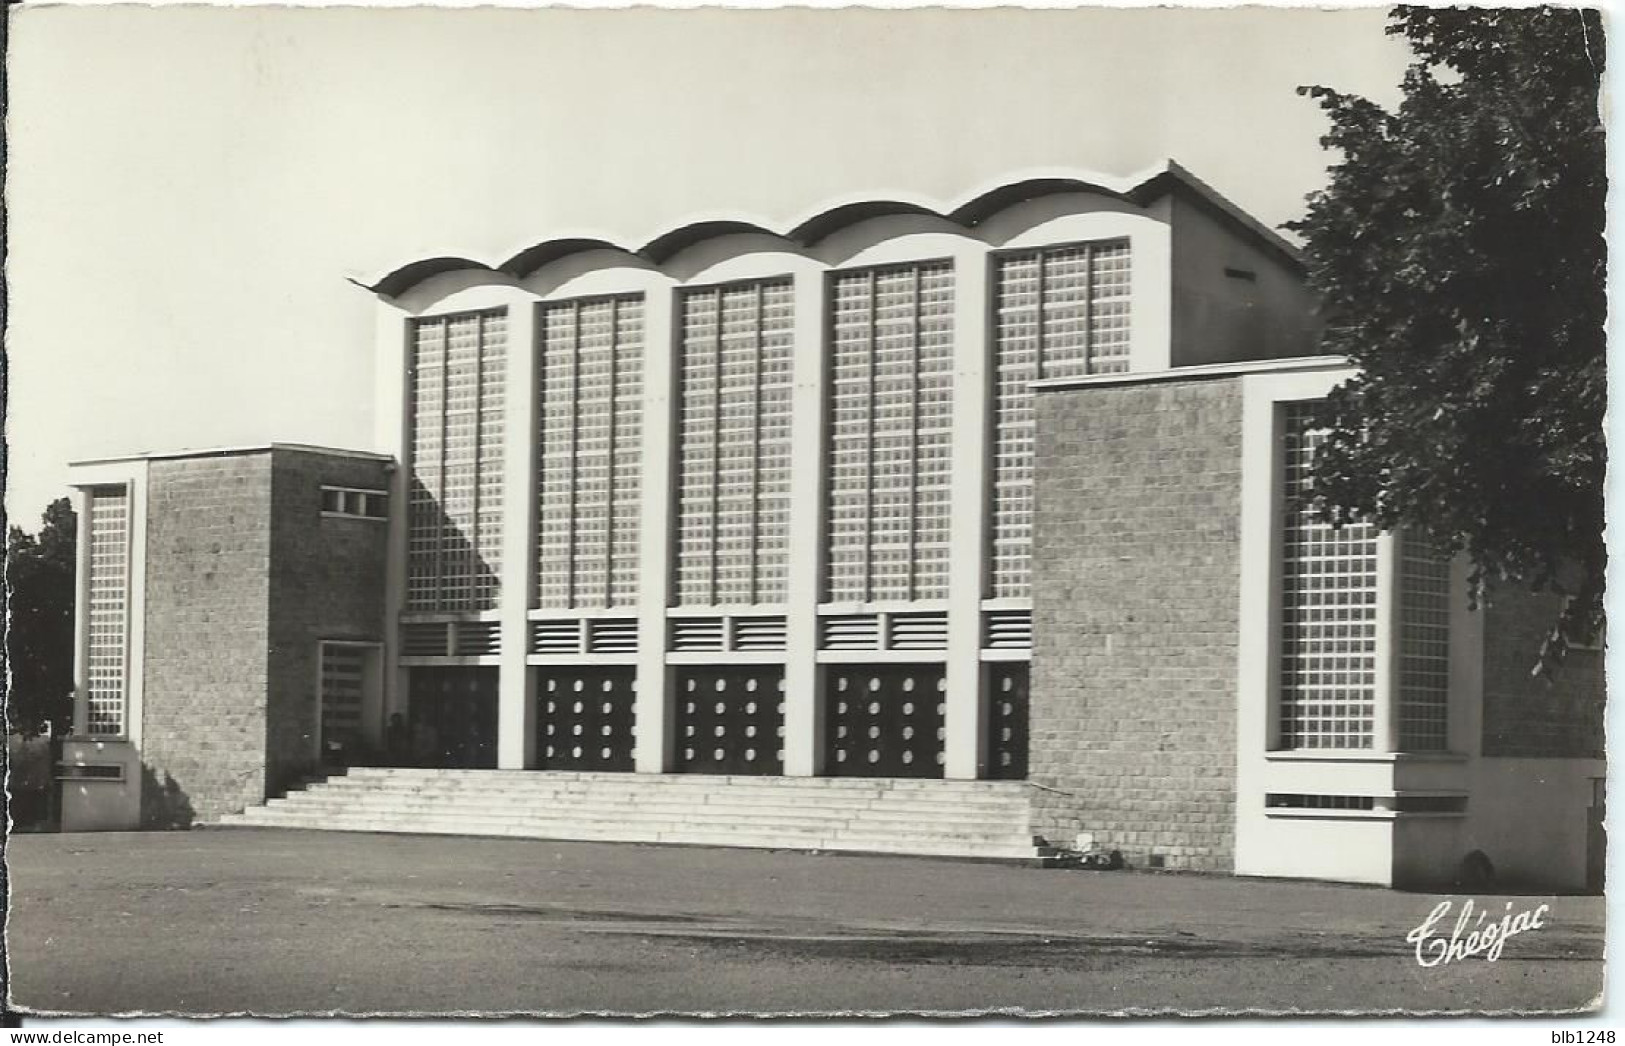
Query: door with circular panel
{"x": 884, "y": 720}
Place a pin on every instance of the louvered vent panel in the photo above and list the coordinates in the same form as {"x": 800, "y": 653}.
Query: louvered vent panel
{"x": 696, "y": 633}
{"x": 926, "y": 631}
{"x": 425, "y": 639}
{"x": 612, "y": 635}
{"x": 478, "y": 639}
{"x": 1007, "y": 630}
{"x": 759, "y": 633}
{"x": 850, "y": 632}
{"x": 555, "y": 637}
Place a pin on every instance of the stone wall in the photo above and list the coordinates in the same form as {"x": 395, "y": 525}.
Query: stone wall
{"x": 1530, "y": 716}
{"x": 1135, "y": 619}
{"x": 203, "y": 714}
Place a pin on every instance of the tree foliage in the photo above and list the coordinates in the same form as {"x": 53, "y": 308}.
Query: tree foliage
{"x": 1459, "y": 253}
{"x": 39, "y": 636}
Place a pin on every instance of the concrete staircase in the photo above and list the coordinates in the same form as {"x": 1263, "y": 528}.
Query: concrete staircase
{"x": 974, "y": 819}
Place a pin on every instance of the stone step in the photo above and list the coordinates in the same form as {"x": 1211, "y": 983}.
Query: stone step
{"x": 874, "y": 815}
{"x": 735, "y": 797}
{"x": 816, "y": 828}
{"x": 523, "y": 787}
{"x": 918, "y": 848}
{"x": 723, "y": 814}
{"x": 923, "y": 842}
{"x": 472, "y": 817}
{"x": 637, "y": 816}
{"x": 610, "y": 808}
{"x": 508, "y": 778}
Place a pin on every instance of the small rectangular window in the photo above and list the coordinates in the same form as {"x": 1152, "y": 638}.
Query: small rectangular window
{"x": 356, "y": 504}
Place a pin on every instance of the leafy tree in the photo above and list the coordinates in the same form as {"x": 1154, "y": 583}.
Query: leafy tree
{"x": 1459, "y": 253}
{"x": 39, "y": 638}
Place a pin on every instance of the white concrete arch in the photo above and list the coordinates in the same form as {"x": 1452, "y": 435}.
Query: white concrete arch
{"x": 460, "y": 290}
{"x": 741, "y": 256}
{"x": 896, "y": 239}
{"x": 1070, "y": 215}
{"x": 595, "y": 272}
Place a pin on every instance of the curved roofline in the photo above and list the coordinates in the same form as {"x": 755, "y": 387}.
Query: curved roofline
{"x": 547, "y": 252}
{"x": 968, "y": 211}
{"x": 398, "y": 281}
{"x": 669, "y": 244}
{"x": 979, "y": 209}
{"x": 820, "y": 226}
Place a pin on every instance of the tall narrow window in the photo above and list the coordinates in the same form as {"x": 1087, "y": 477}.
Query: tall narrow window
{"x": 455, "y": 504}
{"x": 733, "y": 502}
{"x": 1329, "y": 625}
{"x": 106, "y": 610}
{"x": 1424, "y": 645}
{"x": 589, "y": 431}
{"x": 1058, "y": 312}
{"x": 889, "y": 431}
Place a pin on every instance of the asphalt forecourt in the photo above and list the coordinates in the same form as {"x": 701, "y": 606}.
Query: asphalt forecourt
{"x": 268, "y": 921}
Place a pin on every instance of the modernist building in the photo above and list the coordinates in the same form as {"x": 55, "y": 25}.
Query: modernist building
{"x": 999, "y": 491}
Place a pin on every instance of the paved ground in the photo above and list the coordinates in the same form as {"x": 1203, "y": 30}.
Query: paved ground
{"x": 274, "y": 921}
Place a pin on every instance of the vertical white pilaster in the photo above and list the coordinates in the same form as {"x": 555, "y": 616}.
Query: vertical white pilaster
{"x": 392, "y": 436}
{"x": 652, "y": 753}
{"x": 135, "y": 600}
{"x": 516, "y": 705}
{"x": 1385, "y": 718}
{"x": 1151, "y": 305}
{"x": 966, "y": 725}
{"x": 803, "y": 698}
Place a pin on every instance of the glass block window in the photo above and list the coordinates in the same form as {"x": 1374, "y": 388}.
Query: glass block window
{"x": 734, "y": 443}
{"x": 454, "y": 528}
{"x": 890, "y": 419}
{"x": 1424, "y": 646}
{"x": 1058, "y": 312}
{"x": 589, "y": 453}
{"x": 106, "y": 610}
{"x": 1329, "y": 625}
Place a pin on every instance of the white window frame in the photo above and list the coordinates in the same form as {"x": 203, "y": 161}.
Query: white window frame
{"x": 132, "y": 475}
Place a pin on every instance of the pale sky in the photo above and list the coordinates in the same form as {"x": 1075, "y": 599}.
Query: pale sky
{"x": 190, "y": 187}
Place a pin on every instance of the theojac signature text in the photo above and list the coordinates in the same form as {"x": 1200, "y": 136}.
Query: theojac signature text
{"x": 1470, "y": 936}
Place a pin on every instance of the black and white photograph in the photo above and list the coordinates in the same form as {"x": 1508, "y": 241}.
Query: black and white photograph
{"x": 826, "y": 513}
